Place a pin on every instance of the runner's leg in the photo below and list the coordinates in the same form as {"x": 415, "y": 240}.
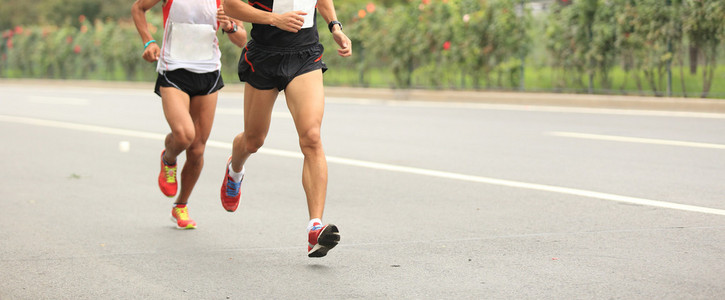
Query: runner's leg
{"x": 201, "y": 110}
{"x": 176, "y": 109}
{"x": 258, "y": 105}
{"x": 306, "y": 101}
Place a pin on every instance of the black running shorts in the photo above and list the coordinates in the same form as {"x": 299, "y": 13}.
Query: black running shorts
{"x": 266, "y": 68}
{"x": 193, "y": 84}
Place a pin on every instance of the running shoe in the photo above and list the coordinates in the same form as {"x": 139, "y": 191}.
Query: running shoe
{"x": 167, "y": 178}
{"x": 321, "y": 239}
{"x": 230, "y": 190}
{"x": 180, "y": 215}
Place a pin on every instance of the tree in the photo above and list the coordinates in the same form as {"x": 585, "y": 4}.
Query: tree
{"x": 704, "y": 26}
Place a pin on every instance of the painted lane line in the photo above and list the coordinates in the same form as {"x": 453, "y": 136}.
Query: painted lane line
{"x": 83, "y": 127}
{"x": 635, "y": 140}
{"x": 387, "y": 167}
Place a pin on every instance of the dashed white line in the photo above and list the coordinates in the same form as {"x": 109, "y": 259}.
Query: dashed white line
{"x": 635, "y": 140}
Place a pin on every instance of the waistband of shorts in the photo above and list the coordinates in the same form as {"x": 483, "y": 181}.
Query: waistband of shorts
{"x": 308, "y": 48}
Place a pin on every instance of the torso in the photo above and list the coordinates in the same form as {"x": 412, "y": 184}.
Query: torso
{"x": 190, "y": 15}
{"x": 269, "y": 35}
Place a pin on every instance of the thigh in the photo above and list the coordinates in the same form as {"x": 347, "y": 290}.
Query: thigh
{"x": 176, "y": 108}
{"x": 306, "y": 100}
{"x": 258, "y": 105}
{"x": 202, "y": 109}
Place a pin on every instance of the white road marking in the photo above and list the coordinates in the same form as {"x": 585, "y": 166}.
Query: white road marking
{"x": 384, "y": 167}
{"x": 635, "y": 140}
{"x": 58, "y": 100}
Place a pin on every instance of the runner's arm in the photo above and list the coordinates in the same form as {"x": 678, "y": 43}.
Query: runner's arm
{"x": 138, "y": 11}
{"x": 226, "y": 24}
{"x": 290, "y": 21}
{"x": 327, "y": 11}
{"x": 239, "y": 38}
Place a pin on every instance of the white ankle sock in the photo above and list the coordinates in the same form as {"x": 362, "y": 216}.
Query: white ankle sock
{"x": 312, "y": 223}
{"x": 236, "y": 176}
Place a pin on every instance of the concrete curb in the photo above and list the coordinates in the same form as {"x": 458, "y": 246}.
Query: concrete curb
{"x": 516, "y": 98}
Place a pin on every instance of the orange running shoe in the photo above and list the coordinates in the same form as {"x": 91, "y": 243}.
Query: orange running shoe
{"x": 180, "y": 215}
{"x": 230, "y": 193}
{"x": 167, "y": 178}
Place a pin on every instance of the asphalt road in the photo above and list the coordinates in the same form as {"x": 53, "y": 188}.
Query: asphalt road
{"x": 433, "y": 200}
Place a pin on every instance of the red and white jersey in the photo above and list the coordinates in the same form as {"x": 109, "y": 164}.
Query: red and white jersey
{"x": 190, "y": 40}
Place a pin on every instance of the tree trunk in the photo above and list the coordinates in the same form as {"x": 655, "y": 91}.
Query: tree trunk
{"x": 681, "y": 61}
{"x": 694, "y": 53}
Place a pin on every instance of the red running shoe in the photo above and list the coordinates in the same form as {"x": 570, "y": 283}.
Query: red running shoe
{"x": 321, "y": 239}
{"x": 180, "y": 215}
{"x": 167, "y": 178}
{"x": 230, "y": 193}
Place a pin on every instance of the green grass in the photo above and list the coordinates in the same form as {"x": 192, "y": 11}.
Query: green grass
{"x": 536, "y": 80}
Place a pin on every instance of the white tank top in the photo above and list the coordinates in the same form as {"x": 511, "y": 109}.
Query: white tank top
{"x": 190, "y": 40}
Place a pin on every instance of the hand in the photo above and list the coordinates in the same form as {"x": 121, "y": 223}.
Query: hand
{"x": 344, "y": 42}
{"x": 152, "y": 52}
{"x": 225, "y": 23}
{"x": 290, "y": 21}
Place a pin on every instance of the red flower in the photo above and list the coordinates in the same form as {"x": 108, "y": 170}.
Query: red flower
{"x": 69, "y": 39}
{"x": 370, "y": 7}
{"x": 77, "y": 49}
{"x": 426, "y": 2}
{"x": 10, "y": 44}
{"x": 447, "y": 45}
{"x": 18, "y": 29}
{"x": 81, "y": 18}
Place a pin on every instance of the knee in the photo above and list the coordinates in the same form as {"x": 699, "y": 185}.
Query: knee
{"x": 195, "y": 152}
{"x": 251, "y": 143}
{"x": 310, "y": 140}
{"x": 184, "y": 137}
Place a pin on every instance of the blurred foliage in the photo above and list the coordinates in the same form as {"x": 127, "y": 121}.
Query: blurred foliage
{"x": 59, "y": 12}
{"x": 409, "y": 43}
{"x": 588, "y": 38}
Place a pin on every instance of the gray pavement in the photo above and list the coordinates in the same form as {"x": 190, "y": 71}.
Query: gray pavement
{"x": 456, "y": 199}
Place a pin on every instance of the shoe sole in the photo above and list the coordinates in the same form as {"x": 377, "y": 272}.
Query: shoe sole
{"x": 328, "y": 239}
{"x": 182, "y": 228}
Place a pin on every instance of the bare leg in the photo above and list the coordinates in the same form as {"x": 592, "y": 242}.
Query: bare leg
{"x": 202, "y": 110}
{"x": 306, "y": 102}
{"x": 176, "y": 109}
{"x": 258, "y": 105}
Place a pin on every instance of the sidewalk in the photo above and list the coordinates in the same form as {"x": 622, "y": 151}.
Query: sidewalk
{"x": 516, "y": 98}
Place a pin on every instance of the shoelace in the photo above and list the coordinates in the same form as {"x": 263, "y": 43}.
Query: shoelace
{"x": 232, "y": 187}
{"x": 170, "y": 174}
{"x": 182, "y": 213}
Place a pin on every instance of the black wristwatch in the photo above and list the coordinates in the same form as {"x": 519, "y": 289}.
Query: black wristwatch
{"x": 329, "y": 26}
{"x": 234, "y": 28}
